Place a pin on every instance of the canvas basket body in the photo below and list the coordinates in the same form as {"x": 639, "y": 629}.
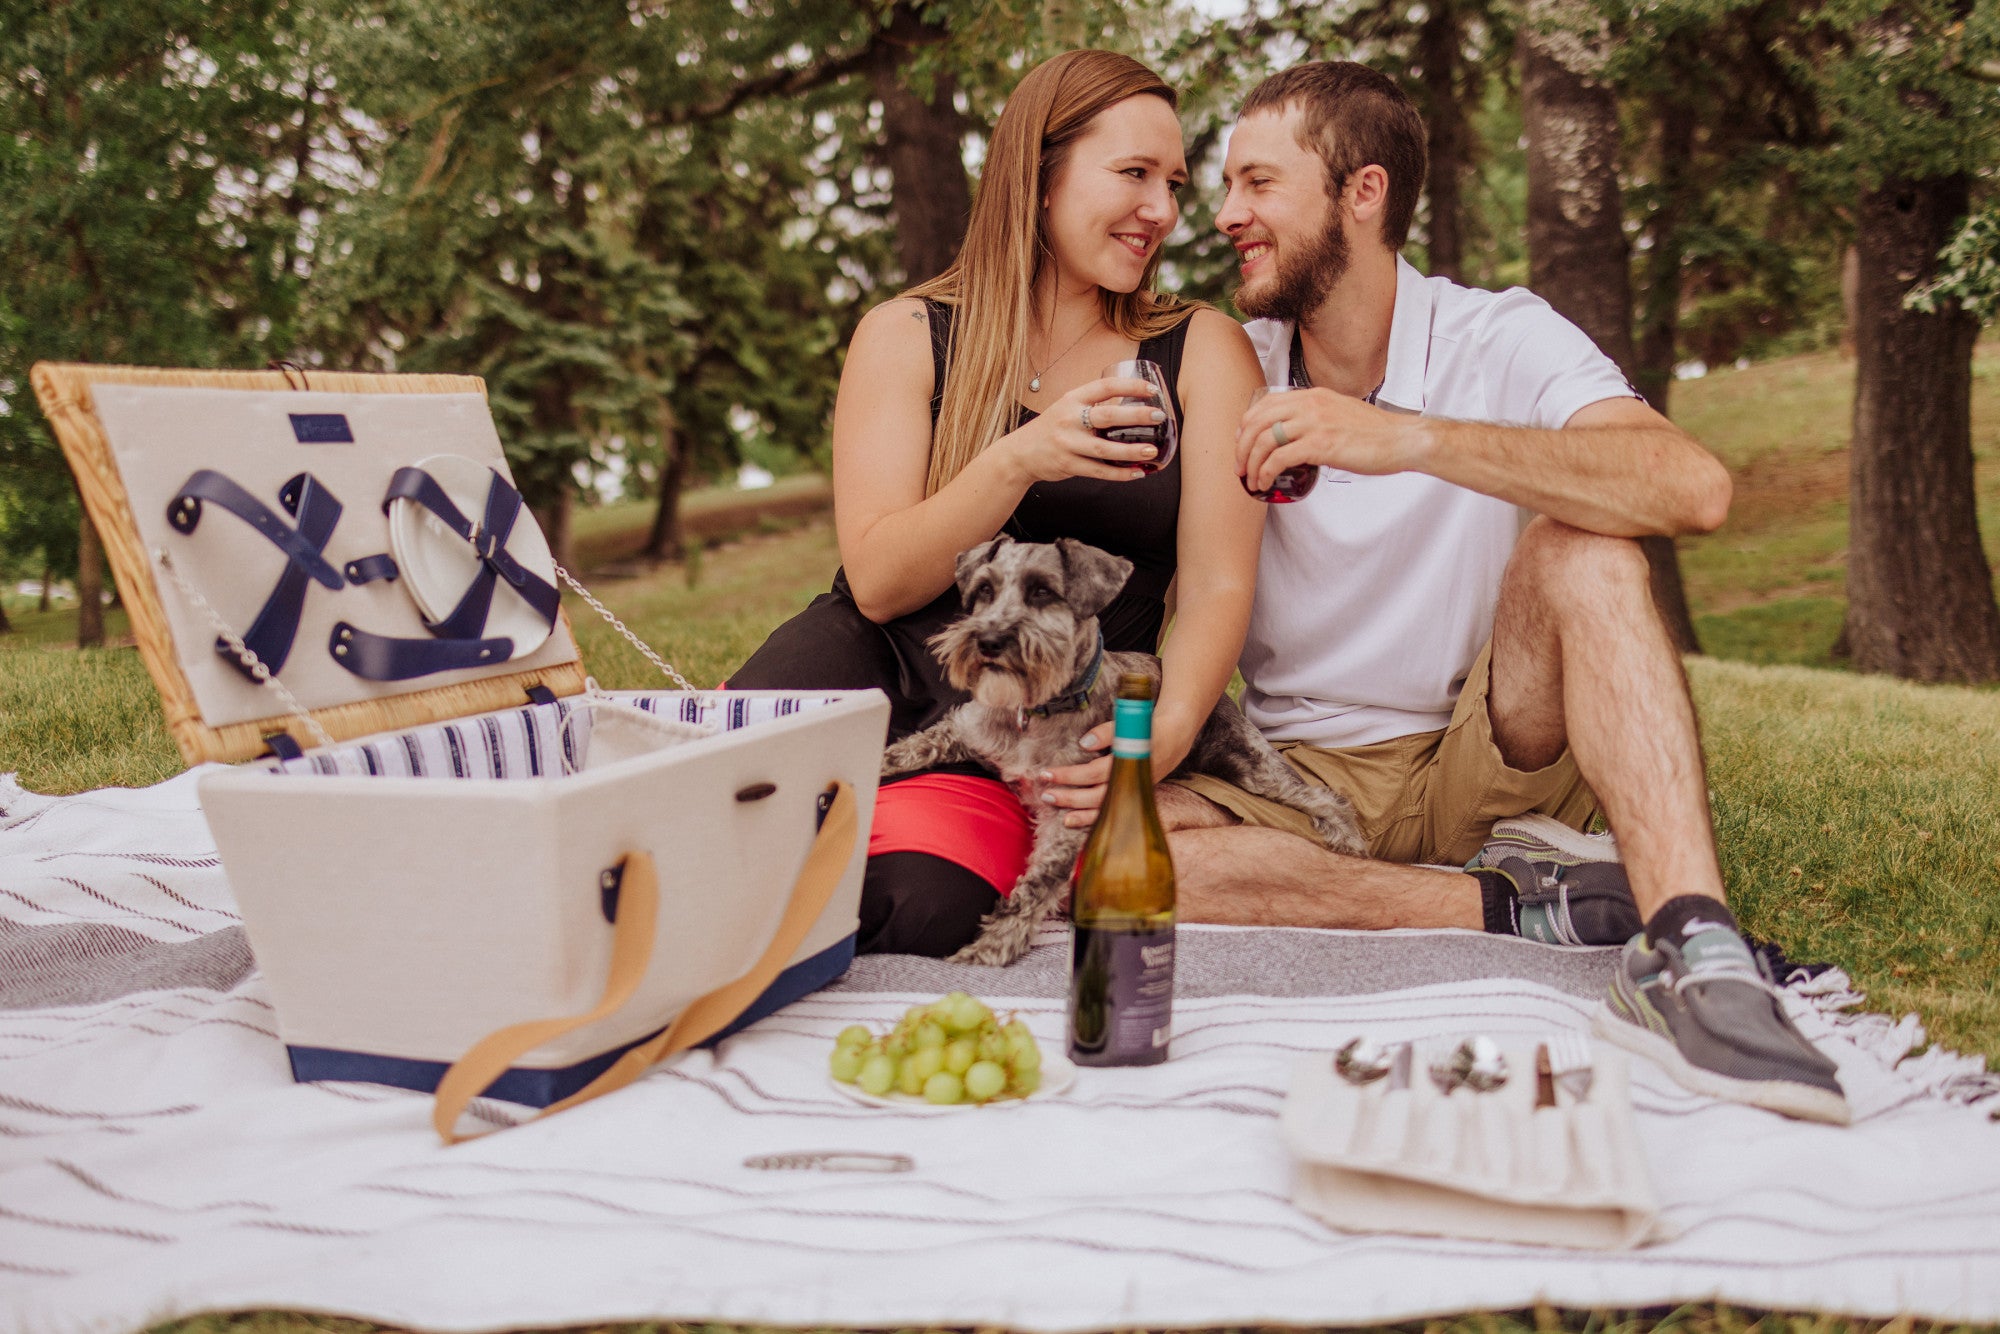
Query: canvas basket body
{"x": 460, "y": 866}
{"x": 408, "y": 894}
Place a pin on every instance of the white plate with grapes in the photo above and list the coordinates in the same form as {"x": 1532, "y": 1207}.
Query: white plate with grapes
{"x": 953, "y": 1053}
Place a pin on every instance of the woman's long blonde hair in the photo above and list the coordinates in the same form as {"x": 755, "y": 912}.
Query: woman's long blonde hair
{"x": 992, "y": 281}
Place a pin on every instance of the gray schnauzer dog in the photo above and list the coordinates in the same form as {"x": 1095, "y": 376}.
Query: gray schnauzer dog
{"x": 1029, "y": 652}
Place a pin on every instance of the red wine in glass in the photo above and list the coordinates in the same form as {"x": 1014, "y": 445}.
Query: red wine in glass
{"x": 1161, "y": 435}
{"x": 1295, "y": 483}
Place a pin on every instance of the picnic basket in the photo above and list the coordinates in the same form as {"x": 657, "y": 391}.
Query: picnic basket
{"x": 461, "y": 866}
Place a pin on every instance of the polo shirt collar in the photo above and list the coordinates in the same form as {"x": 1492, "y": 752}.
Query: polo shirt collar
{"x": 1409, "y": 341}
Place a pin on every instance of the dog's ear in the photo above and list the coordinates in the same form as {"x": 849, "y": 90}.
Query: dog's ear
{"x": 970, "y": 559}
{"x": 1091, "y": 578}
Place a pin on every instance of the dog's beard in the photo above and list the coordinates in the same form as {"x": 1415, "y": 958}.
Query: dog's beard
{"x": 1032, "y": 671}
{"x": 1302, "y": 278}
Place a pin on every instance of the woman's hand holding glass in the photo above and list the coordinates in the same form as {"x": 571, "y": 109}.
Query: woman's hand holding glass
{"x": 1064, "y": 441}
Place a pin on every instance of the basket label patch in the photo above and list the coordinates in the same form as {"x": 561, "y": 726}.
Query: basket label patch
{"x": 321, "y": 428}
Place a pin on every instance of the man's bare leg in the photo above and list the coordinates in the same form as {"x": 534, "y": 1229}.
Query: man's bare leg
{"x": 1238, "y": 876}
{"x": 1581, "y": 658}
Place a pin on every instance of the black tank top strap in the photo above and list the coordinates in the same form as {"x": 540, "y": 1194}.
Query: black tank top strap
{"x": 1165, "y": 351}
{"x": 940, "y": 317}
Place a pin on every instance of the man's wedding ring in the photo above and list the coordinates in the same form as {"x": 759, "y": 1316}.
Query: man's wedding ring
{"x": 1278, "y": 433}
{"x": 1086, "y": 417}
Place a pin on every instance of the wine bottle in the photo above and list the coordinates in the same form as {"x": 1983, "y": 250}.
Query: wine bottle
{"x": 1121, "y": 992}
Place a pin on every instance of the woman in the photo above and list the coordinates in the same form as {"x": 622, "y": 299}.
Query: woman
{"x": 962, "y": 414}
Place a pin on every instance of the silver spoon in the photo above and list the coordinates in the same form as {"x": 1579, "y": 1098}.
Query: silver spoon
{"x": 1362, "y": 1061}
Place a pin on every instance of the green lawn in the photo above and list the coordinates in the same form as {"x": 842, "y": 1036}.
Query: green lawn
{"x": 1859, "y": 817}
{"x": 1768, "y": 587}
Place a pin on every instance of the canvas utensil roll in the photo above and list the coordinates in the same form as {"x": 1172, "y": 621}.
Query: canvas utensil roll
{"x": 1491, "y": 1166}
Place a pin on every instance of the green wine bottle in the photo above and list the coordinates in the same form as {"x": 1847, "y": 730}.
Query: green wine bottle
{"x": 1121, "y": 992}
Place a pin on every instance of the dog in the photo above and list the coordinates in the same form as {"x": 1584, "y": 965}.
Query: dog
{"x": 1029, "y": 652}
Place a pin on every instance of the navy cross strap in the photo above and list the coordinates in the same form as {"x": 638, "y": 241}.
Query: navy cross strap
{"x": 488, "y": 540}
{"x": 318, "y": 512}
{"x": 457, "y": 642}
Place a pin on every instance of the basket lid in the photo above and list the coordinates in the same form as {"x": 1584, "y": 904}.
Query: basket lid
{"x": 265, "y": 505}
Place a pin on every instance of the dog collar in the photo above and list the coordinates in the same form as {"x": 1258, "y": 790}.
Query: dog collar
{"x": 1074, "y": 698}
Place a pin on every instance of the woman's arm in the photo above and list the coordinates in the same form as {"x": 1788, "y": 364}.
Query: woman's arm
{"x": 1218, "y": 533}
{"x": 899, "y": 547}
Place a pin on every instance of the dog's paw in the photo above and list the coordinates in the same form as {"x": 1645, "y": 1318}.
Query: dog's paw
{"x": 990, "y": 951}
{"x": 1003, "y": 938}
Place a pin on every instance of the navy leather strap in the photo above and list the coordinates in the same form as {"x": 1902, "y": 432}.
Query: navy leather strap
{"x": 270, "y": 636}
{"x": 376, "y": 657}
{"x": 370, "y": 568}
{"x": 488, "y": 540}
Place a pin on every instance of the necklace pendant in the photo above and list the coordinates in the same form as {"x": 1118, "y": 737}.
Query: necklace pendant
{"x": 1035, "y": 385}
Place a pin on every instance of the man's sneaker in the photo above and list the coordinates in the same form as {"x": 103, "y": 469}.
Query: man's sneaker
{"x": 1572, "y": 889}
{"x": 1712, "y": 1018}
{"x": 1587, "y": 904}
{"x": 1543, "y": 838}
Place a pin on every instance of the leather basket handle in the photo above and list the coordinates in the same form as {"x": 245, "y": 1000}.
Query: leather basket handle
{"x": 631, "y": 952}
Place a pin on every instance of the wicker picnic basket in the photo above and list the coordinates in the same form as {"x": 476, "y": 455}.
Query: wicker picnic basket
{"x": 461, "y": 866}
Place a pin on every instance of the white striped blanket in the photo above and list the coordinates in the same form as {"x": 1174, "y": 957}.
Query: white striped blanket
{"x": 156, "y": 1160}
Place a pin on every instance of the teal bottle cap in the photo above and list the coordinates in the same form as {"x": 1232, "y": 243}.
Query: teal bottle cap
{"x": 1132, "y": 734}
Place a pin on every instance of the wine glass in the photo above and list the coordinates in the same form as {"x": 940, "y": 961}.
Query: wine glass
{"x": 1294, "y": 483}
{"x": 1163, "y": 435}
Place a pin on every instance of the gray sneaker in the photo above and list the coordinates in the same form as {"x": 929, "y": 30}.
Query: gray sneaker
{"x": 1712, "y": 1018}
{"x": 1543, "y": 838}
{"x": 1572, "y": 889}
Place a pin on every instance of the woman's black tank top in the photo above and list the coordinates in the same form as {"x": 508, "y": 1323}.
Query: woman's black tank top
{"x": 831, "y": 645}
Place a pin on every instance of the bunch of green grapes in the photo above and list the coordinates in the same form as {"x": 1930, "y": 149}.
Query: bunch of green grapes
{"x": 952, "y": 1050}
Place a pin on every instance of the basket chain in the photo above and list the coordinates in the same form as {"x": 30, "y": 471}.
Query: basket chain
{"x": 630, "y": 638}
{"x": 263, "y": 675}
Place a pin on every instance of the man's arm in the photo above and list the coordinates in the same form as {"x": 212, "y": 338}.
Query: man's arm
{"x": 1616, "y": 467}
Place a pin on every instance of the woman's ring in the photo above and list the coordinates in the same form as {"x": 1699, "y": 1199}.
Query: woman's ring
{"x": 1278, "y": 433}
{"x": 1086, "y": 417}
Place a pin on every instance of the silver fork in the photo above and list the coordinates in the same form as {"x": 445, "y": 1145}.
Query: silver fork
{"x": 1573, "y": 1063}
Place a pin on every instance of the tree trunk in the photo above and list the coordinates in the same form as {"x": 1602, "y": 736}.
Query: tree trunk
{"x": 89, "y": 583}
{"x": 1578, "y": 260}
{"x": 555, "y": 514}
{"x": 1438, "y": 43}
{"x": 6, "y": 626}
{"x": 921, "y": 145}
{"x": 1920, "y": 599}
{"x": 48, "y": 577}
{"x": 1660, "y": 319}
{"x": 663, "y": 540}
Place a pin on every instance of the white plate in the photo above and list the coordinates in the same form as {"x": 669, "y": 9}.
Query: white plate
{"x": 438, "y": 565}
{"x": 1058, "y": 1073}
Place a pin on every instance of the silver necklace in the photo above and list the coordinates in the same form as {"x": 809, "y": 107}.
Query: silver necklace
{"x": 1035, "y": 381}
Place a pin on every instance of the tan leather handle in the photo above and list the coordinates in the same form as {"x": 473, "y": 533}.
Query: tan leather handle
{"x": 631, "y": 953}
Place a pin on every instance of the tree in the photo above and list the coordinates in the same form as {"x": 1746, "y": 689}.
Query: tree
{"x": 1919, "y": 116}
{"x": 155, "y": 168}
{"x": 1578, "y": 257}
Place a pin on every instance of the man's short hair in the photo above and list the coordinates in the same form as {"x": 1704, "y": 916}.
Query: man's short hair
{"x": 1352, "y": 116}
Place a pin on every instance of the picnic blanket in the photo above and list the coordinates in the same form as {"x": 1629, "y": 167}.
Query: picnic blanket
{"x": 156, "y": 1160}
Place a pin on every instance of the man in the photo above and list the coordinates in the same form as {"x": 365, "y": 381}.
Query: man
{"x": 1462, "y": 630}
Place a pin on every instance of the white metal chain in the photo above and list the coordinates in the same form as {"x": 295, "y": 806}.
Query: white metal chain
{"x": 630, "y": 638}
{"x": 263, "y": 675}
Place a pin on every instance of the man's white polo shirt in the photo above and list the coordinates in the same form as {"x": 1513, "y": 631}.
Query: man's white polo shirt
{"x": 1375, "y": 596}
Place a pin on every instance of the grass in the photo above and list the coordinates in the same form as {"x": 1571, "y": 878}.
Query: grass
{"x": 1768, "y": 587}
{"x": 1859, "y": 817}
{"x": 1542, "y": 1320}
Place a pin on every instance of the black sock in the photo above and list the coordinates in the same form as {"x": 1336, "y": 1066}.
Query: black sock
{"x": 1674, "y": 917}
{"x": 1499, "y": 901}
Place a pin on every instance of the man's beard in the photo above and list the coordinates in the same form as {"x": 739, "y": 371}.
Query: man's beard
{"x": 1302, "y": 280}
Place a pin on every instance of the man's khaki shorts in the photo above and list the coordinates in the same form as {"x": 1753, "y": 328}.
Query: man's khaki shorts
{"x": 1431, "y": 797}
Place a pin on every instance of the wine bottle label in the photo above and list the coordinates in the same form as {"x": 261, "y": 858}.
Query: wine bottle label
{"x": 1121, "y": 1009}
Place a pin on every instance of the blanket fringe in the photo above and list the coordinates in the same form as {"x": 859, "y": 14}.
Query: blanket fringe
{"x": 1899, "y": 1044}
